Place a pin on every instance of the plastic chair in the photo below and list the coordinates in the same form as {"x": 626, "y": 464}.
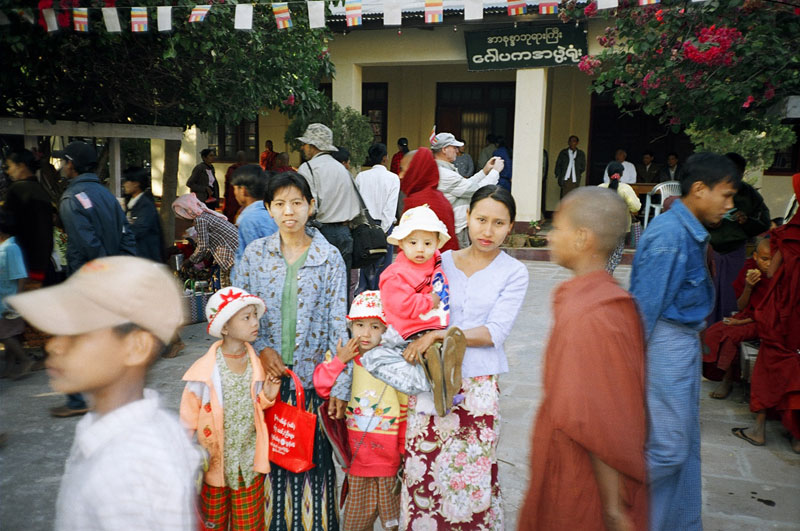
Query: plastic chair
{"x": 791, "y": 209}
{"x": 665, "y": 189}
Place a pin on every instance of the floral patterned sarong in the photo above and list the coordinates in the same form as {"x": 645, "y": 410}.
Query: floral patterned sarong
{"x": 450, "y": 477}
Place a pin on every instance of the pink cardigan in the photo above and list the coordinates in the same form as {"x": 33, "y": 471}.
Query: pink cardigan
{"x": 201, "y": 412}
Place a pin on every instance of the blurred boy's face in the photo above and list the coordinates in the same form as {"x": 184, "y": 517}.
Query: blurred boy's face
{"x": 420, "y": 245}
{"x": 715, "y": 202}
{"x": 563, "y": 239}
{"x": 243, "y": 326}
{"x": 86, "y": 363}
{"x": 368, "y": 332}
{"x": 762, "y": 256}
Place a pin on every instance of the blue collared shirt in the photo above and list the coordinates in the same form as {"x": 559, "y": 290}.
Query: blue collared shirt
{"x": 254, "y": 222}
{"x": 670, "y": 279}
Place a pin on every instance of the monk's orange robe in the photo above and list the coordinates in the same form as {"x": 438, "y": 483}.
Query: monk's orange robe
{"x": 594, "y": 402}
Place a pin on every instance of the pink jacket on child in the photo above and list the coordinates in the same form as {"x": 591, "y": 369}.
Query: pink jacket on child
{"x": 202, "y": 412}
{"x": 406, "y": 295}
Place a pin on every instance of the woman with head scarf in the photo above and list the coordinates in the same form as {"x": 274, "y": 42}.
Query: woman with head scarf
{"x": 215, "y": 234}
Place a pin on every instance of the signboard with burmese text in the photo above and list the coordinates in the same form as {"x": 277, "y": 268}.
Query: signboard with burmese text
{"x": 525, "y": 47}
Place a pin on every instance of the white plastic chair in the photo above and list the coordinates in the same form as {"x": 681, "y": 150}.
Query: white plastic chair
{"x": 665, "y": 189}
{"x": 791, "y": 209}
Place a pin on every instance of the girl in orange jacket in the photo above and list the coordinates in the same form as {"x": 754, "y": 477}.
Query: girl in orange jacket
{"x": 223, "y": 401}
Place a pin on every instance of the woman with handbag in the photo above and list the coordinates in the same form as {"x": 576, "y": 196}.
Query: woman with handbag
{"x": 450, "y": 473}
{"x": 628, "y": 194}
{"x": 301, "y": 278}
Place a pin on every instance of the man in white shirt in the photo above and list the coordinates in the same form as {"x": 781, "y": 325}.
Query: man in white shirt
{"x": 379, "y": 189}
{"x": 629, "y": 175}
{"x": 333, "y": 190}
{"x": 457, "y": 189}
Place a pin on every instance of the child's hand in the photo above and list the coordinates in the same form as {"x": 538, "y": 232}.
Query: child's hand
{"x": 435, "y": 300}
{"x": 753, "y": 276}
{"x": 272, "y": 387}
{"x": 347, "y": 352}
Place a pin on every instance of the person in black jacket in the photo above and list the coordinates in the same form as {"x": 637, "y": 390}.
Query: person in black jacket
{"x": 31, "y": 208}
{"x": 142, "y": 214}
{"x": 203, "y": 181}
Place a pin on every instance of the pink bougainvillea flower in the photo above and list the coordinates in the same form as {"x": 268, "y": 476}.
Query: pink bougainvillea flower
{"x": 590, "y": 10}
{"x": 749, "y": 101}
{"x": 290, "y": 100}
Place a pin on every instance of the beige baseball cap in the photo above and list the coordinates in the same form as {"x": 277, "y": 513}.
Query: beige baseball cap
{"x": 104, "y": 293}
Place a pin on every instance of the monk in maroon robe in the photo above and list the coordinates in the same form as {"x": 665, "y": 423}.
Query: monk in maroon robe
{"x": 722, "y": 339}
{"x": 775, "y": 383}
{"x": 587, "y": 460}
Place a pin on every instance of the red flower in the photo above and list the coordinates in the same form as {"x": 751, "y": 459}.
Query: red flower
{"x": 769, "y": 93}
{"x": 590, "y": 10}
{"x": 749, "y": 101}
{"x": 207, "y": 431}
{"x": 289, "y": 101}
{"x": 660, "y": 15}
{"x": 207, "y": 407}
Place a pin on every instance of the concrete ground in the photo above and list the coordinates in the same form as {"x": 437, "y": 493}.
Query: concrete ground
{"x": 744, "y": 487}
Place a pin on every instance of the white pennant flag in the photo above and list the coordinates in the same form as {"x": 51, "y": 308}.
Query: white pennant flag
{"x": 316, "y": 14}
{"x": 164, "y": 18}
{"x": 243, "y": 20}
{"x": 111, "y": 18}
{"x": 392, "y": 13}
{"x": 473, "y": 9}
{"x": 50, "y": 19}
{"x": 607, "y": 4}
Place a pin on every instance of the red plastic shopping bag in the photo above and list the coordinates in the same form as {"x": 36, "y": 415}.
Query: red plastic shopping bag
{"x": 291, "y": 432}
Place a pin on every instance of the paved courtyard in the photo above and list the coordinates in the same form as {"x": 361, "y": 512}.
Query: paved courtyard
{"x": 744, "y": 487}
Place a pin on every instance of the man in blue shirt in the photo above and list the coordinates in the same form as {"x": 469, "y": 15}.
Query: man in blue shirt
{"x": 95, "y": 225}
{"x": 673, "y": 289}
{"x": 254, "y": 222}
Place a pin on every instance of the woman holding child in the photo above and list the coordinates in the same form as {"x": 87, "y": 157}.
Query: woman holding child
{"x": 450, "y": 477}
{"x": 301, "y": 278}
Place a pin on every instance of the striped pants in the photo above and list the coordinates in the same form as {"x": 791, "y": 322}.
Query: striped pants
{"x": 673, "y": 442}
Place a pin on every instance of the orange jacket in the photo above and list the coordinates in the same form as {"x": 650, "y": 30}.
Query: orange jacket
{"x": 201, "y": 412}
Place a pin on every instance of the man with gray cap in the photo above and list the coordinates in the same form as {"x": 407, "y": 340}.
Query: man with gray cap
{"x": 332, "y": 188}
{"x": 457, "y": 189}
{"x": 95, "y": 225}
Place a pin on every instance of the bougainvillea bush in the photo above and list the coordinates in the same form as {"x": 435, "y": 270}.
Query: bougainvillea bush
{"x": 719, "y": 64}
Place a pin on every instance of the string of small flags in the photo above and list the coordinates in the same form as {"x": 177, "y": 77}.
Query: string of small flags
{"x": 243, "y": 16}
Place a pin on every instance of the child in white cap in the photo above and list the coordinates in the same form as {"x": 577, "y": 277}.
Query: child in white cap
{"x": 375, "y": 419}
{"x": 131, "y": 465}
{"x": 235, "y": 436}
{"x": 415, "y": 296}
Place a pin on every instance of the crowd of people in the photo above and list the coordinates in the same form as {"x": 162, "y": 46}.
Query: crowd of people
{"x": 401, "y": 367}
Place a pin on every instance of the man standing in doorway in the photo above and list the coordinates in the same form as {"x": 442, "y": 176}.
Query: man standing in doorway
{"x": 268, "y": 157}
{"x": 95, "y": 225}
{"x": 570, "y": 165}
{"x": 457, "y": 189}
{"x": 203, "y": 181}
{"x": 333, "y": 190}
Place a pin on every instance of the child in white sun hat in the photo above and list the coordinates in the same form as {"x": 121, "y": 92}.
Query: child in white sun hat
{"x": 235, "y": 437}
{"x": 375, "y": 419}
{"x": 415, "y": 296}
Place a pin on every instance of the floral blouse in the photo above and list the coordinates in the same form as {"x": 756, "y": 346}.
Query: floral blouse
{"x": 321, "y": 300}
{"x": 239, "y": 448}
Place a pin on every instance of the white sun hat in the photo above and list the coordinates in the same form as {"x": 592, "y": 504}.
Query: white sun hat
{"x": 367, "y": 305}
{"x": 225, "y": 303}
{"x": 419, "y": 218}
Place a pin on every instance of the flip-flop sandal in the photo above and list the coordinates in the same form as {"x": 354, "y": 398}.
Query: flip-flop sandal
{"x": 453, "y": 348}
{"x": 739, "y": 432}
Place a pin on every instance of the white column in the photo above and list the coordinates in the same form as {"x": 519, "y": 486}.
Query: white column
{"x": 529, "y": 115}
{"x": 115, "y": 166}
{"x": 347, "y": 85}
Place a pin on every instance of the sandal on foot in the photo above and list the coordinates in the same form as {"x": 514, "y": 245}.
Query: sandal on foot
{"x": 435, "y": 373}
{"x": 739, "y": 432}
{"x": 453, "y": 348}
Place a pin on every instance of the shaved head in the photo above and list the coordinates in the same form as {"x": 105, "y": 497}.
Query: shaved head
{"x": 762, "y": 244}
{"x": 600, "y": 211}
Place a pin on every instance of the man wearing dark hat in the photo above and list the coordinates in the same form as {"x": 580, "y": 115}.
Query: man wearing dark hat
{"x": 95, "y": 225}
{"x": 333, "y": 189}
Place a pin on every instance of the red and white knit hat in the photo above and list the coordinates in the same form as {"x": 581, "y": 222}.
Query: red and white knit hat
{"x": 225, "y": 303}
{"x": 367, "y": 305}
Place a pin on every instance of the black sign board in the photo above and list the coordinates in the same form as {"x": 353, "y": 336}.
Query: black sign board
{"x": 525, "y": 47}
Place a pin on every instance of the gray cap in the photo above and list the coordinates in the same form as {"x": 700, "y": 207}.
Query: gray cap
{"x": 319, "y": 136}
{"x": 442, "y": 140}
